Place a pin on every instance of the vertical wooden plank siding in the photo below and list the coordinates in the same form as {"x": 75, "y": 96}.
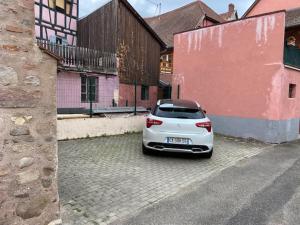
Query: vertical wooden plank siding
{"x": 114, "y": 28}
{"x": 97, "y": 30}
{"x": 142, "y": 58}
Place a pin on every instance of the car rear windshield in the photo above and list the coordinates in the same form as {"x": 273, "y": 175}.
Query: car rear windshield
{"x": 180, "y": 113}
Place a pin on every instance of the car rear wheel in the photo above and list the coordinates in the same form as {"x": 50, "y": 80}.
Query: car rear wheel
{"x": 208, "y": 155}
{"x": 146, "y": 151}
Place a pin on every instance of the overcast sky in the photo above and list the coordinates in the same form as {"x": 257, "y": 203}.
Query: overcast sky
{"x": 147, "y": 9}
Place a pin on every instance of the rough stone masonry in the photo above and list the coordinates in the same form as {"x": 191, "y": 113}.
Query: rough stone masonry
{"x": 28, "y": 146}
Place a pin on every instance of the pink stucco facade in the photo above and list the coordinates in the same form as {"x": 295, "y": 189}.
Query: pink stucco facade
{"x": 109, "y": 88}
{"x": 69, "y": 91}
{"x": 290, "y": 107}
{"x": 265, "y": 6}
{"x": 236, "y": 71}
{"x": 127, "y": 93}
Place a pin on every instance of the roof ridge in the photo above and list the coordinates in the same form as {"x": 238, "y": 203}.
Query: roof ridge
{"x": 201, "y": 6}
{"x": 250, "y": 8}
{"x": 175, "y": 10}
{"x": 183, "y": 18}
{"x": 202, "y": 17}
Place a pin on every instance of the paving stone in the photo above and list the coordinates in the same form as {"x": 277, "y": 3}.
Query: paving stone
{"x": 109, "y": 177}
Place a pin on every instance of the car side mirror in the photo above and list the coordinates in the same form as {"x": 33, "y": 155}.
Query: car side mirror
{"x": 204, "y": 111}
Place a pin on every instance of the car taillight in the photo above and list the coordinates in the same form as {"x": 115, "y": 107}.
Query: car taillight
{"x": 206, "y": 125}
{"x": 151, "y": 122}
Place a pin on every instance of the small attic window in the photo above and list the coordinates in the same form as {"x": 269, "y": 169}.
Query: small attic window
{"x": 292, "y": 90}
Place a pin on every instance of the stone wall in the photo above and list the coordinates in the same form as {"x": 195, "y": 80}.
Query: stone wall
{"x": 75, "y": 128}
{"x": 28, "y": 145}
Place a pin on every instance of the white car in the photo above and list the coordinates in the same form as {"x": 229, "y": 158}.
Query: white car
{"x": 178, "y": 126}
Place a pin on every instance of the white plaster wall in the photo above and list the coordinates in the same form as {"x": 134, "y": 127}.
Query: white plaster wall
{"x": 76, "y": 128}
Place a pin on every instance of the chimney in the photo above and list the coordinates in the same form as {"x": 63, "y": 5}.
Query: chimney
{"x": 231, "y": 8}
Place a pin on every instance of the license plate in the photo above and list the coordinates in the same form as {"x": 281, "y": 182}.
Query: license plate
{"x": 181, "y": 141}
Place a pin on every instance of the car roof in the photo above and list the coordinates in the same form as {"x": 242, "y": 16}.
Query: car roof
{"x": 178, "y": 103}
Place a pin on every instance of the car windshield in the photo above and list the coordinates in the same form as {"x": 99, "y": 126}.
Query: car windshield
{"x": 180, "y": 113}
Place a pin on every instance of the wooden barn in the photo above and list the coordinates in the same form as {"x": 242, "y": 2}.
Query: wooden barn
{"x": 117, "y": 28}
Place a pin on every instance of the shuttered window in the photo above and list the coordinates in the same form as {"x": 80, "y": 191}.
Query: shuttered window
{"x": 68, "y": 8}
{"x": 63, "y": 6}
{"x": 60, "y": 4}
{"x": 89, "y": 89}
{"x": 51, "y": 3}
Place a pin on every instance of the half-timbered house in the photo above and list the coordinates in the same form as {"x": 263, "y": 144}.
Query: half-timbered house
{"x": 85, "y": 75}
{"x": 116, "y": 27}
{"x": 56, "y": 20}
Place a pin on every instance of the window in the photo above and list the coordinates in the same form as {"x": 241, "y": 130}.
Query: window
{"x": 145, "y": 92}
{"x": 64, "y": 41}
{"x": 292, "y": 91}
{"x": 63, "y": 6}
{"x": 89, "y": 89}
{"x": 182, "y": 113}
{"x": 60, "y": 5}
{"x": 167, "y": 92}
{"x": 178, "y": 91}
{"x": 68, "y": 8}
{"x": 58, "y": 40}
{"x": 52, "y": 39}
{"x": 170, "y": 59}
{"x": 51, "y": 4}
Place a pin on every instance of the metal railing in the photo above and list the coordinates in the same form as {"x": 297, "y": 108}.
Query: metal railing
{"x": 82, "y": 59}
{"x": 292, "y": 56}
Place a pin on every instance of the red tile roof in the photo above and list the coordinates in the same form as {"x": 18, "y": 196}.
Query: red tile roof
{"x": 185, "y": 18}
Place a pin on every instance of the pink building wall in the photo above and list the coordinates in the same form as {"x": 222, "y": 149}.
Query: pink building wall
{"x": 126, "y": 93}
{"x": 69, "y": 90}
{"x": 290, "y": 106}
{"x": 266, "y": 6}
{"x": 236, "y": 72}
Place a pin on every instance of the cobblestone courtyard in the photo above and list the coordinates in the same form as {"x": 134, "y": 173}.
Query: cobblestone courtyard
{"x": 103, "y": 179}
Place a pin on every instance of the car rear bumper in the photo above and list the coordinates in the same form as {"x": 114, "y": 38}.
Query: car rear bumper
{"x": 194, "y": 149}
{"x": 201, "y": 143}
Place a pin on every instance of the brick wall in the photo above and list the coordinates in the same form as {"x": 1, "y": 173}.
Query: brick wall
{"x": 28, "y": 145}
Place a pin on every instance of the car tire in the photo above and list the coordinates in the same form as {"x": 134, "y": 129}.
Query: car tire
{"x": 208, "y": 155}
{"x": 146, "y": 151}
